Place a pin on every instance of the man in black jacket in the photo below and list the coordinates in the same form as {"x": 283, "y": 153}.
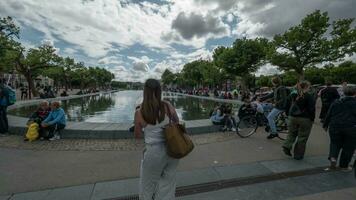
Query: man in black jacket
{"x": 280, "y": 101}
{"x": 341, "y": 122}
{"x": 327, "y": 95}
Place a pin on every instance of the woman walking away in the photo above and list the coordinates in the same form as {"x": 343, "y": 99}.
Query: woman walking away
{"x": 301, "y": 118}
{"x": 341, "y": 122}
{"x": 158, "y": 170}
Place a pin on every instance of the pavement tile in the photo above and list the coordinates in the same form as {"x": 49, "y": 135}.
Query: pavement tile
{"x": 328, "y": 181}
{"x": 317, "y": 161}
{"x": 344, "y": 194}
{"x": 279, "y": 166}
{"x": 5, "y": 197}
{"x": 114, "y": 189}
{"x": 82, "y": 192}
{"x": 226, "y": 194}
{"x": 242, "y": 170}
{"x": 40, "y": 195}
{"x": 198, "y": 176}
{"x": 274, "y": 190}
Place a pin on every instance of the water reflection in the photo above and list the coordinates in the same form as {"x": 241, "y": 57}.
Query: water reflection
{"x": 120, "y": 107}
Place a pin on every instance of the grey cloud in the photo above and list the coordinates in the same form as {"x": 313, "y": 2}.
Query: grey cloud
{"x": 287, "y": 13}
{"x": 189, "y": 26}
{"x": 226, "y": 5}
{"x": 140, "y": 67}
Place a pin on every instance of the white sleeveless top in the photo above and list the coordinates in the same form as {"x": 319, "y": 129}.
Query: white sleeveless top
{"x": 154, "y": 133}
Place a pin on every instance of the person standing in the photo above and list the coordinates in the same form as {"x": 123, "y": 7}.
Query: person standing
{"x": 301, "y": 118}
{"x": 4, "y": 102}
{"x": 158, "y": 170}
{"x": 341, "y": 123}
{"x": 327, "y": 95}
{"x": 280, "y": 101}
{"x": 23, "y": 90}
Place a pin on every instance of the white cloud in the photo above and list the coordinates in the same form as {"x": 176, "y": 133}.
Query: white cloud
{"x": 140, "y": 67}
{"x": 143, "y": 59}
{"x": 110, "y": 60}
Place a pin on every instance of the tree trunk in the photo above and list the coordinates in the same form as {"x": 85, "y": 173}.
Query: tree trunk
{"x": 31, "y": 85}
{"x": 301, "y": 76}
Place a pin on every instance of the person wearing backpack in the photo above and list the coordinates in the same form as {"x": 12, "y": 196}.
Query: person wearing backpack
{"x": 280, "y": 101}
{"x": 158, "y": 169}
{"x": 301, "y": 119}
{"x": 4, "y": 103}
{"x": 327, "y": 95}
{"x": 341, "y": 123}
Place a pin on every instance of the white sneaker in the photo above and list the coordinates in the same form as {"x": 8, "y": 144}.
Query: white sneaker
{"x": 55, "y": 137}
{"x": 233, "y": 129}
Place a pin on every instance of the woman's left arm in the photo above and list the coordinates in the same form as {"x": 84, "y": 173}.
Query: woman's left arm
{"x": 138, "y": 124}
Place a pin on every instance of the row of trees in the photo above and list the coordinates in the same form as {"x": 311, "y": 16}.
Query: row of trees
{"x": 44, "y": 60}
{"x": 346, "y": 71}
{"x": 313, "y": 42}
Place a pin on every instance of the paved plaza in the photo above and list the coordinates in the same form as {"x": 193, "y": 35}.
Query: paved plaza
{"x": 109, "y": 169}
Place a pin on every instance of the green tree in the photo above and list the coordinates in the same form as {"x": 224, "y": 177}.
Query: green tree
{"x": 243, "y": 58}
{"x": 309, "y": 43}
{"x": 30, "y": 63}
{"x": 8, "y": 32}
{"x": 168, "y": 77}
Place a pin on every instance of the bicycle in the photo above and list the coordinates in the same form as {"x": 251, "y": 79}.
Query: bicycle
{"x": 255, "y": 117}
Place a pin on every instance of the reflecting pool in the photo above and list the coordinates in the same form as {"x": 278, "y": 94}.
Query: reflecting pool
{"x": 119, "y": 107}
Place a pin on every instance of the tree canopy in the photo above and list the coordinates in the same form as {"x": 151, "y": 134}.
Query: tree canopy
{"x": 309, "y": 43}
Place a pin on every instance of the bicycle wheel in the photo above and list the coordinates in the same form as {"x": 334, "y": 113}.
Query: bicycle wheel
{"x": 282, "y": 127}
{"x": 247, "y": 126}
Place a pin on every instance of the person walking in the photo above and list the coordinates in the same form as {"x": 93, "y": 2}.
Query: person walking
{"x": 327, "y": 95}
{"x": 4, "y": 102}
{"x": 301, "y": 118}
{"x": 158, "y": 170}
{"x": 341, "y": 123}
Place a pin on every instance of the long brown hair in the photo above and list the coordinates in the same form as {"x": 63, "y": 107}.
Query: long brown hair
{"x": 302, "y": 86}
{"x": 152, "y": 108}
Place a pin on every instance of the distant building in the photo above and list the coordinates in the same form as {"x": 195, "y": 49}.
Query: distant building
{"x": 16, "y": 80}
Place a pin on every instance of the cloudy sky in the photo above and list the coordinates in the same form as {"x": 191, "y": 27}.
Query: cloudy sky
{"x": 140, "y": 39}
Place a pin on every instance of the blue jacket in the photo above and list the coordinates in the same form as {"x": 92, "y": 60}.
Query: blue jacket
{"x": 56, "y": 117}
{"x": 217, "y": 116}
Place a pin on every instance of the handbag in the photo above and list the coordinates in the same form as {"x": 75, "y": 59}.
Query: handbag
{"x": 178, "y": 142}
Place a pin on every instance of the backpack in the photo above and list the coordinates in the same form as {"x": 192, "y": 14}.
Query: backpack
{"x": 295, "y": 110}
{"x": 32, "y": 132}
{"x": 11, "y": 96}
{"x": 287, "y": 91}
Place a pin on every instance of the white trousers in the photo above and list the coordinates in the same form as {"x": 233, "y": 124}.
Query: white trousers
{"x": 158, "y": 174}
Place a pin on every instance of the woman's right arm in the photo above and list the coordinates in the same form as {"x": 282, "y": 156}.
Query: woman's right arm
{"x": 173, "y": 113}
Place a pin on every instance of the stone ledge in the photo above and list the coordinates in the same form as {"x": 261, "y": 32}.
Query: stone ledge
{"x": 86, "y": 130}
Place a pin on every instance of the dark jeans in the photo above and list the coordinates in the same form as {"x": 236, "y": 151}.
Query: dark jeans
{"x": 324, "y": 110}
{"x": 342, "y": 139}
{"x": 52, "y": 129}
{"x": 4, "y": 124}
{"x": 228, "y": 121}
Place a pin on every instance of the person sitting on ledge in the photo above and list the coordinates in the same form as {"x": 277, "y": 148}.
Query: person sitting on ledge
{"x": 38, "y": 116}
{"x": 55, "y": 121}
{"x": 64, "y": 93}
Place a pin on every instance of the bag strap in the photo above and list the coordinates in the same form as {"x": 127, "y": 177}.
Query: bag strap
{"x": 168, "y": 112}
